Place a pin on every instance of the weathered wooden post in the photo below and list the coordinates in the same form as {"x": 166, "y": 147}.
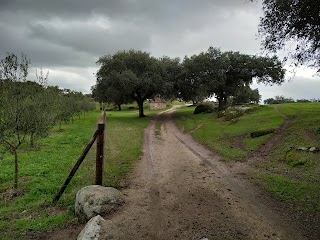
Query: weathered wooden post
{"x": 100, "y": 149}
{"x": 99, "y": 137}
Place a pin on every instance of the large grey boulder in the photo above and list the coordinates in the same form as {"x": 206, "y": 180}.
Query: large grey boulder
{"x": 92, "y": 229}
{"x": 96, "y": 200}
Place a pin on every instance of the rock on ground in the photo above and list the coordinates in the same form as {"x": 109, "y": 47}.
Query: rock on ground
{"x": 94, "y": 200}
{"x": 313, "y": 149}
{"x": 92, "y": 229}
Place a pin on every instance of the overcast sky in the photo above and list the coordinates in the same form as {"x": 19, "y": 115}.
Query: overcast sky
{"x": 67, "y": 37}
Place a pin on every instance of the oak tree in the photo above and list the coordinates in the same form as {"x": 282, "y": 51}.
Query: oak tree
{"x": 133, "y": 74}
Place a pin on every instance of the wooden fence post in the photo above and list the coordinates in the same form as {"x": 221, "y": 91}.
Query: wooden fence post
{"x": 100, "y": 155}
{"x": 98, "y": 136}
{"x": 100, "y": 149}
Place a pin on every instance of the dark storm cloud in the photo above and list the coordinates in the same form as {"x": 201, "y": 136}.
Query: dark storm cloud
{"x": 89, "y": 37}
{"x": 68, "y": 37}
{"x": 67, "y": 31}
{"x": 158, "y": 10}
{"x": 42, "y": 53}
{"x": 73, "y": 42}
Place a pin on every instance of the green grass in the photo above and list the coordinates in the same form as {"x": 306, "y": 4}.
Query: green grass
{"x": 42, "y": 172}
{"x": 231, "y": 139}
{"x": 288, "y": 173}
{"x": 293, "y": 175}
{"x": 124, "y": 144}
{"x": 187, "y": 121}
{"x": 175, "y": 102}
{"x": 303, "y": 195}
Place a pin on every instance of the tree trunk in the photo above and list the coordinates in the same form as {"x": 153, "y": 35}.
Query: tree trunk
{"x": 220, "y": 101}
{"x": 16, "y": 171}
{"x": 224, "y": 101}
{"x": 119, "y": 107}
{"x": 140, "y": 105}
{"x": 32, "y": 140}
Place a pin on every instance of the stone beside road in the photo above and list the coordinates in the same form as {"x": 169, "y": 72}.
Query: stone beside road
{"x": 92, "y": 230}
{"x": 96, "y": 200}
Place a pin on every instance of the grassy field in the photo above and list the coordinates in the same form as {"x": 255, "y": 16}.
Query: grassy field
{"x": 43, "y": 170}
{"x": 289, "y": 174}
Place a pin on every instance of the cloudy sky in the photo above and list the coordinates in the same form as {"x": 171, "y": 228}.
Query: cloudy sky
{"x": 67, "y": 37}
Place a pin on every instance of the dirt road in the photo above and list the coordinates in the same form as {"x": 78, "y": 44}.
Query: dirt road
{"x": 180, "y": 190}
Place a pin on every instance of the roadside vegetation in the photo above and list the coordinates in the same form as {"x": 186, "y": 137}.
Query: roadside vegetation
{"x": 231, "y": 139}
{"x": 29, "y": 109}
{"x": 43, "y": 170}
{"x": 288, "y": 170}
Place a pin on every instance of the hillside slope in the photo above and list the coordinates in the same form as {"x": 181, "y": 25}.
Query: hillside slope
{"x": 280, "y": 161}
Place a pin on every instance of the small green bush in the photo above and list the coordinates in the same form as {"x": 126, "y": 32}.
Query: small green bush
{"x": 204, "y": 108}
{"x": 260, "y": 133}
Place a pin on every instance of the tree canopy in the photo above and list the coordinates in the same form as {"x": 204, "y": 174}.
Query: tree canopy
{"x": 222, "y": 74}
{"x": 135, "y": 75}
{"x": 292, "y": 25}
{"x": 246, "y": 95}
{"x": 190, "y": 84}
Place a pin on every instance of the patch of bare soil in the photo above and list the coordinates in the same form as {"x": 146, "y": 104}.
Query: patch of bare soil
{"x": 238, "y": 142}
{"x": 274, "y": 140}
{"x": 180, "y": 190}
{"x": 67, "y": 233}
{"x": 11, "y": 194}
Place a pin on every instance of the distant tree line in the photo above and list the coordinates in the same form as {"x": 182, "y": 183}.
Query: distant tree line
{"x": 129, "y": 76}
{"x": 29, "y": 109}
{"x": 282, "y": 99}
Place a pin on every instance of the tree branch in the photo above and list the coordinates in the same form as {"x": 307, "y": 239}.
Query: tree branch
{"x": 7, "y": 142}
